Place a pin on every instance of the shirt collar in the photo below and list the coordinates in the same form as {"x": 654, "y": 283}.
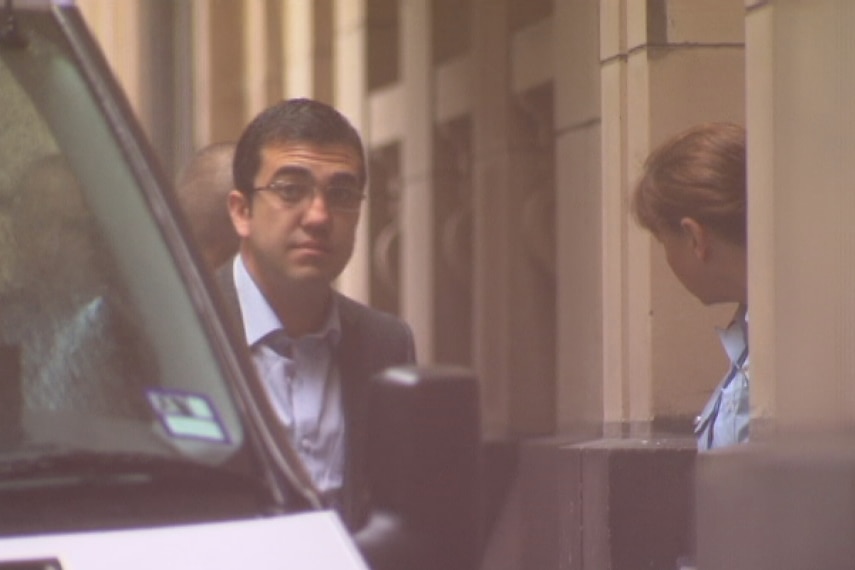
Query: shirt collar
{"x": 259, "y": 318}
{"x": 734, "y": 338}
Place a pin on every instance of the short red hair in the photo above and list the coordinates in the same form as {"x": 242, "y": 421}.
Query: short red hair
{"x": 700, "y": 174}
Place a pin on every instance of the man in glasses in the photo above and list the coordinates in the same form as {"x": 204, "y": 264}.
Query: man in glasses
{"x": 299, "y": 171}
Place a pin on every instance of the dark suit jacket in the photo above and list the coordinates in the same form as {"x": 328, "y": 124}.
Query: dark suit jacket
{"x": 370, "y": 342}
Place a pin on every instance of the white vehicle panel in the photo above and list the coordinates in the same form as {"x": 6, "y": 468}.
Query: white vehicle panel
{"x": 305, "y": 541}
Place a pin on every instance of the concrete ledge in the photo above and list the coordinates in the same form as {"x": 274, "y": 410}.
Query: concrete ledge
{"x": 778, "y": 506}
{"x": 605, "y": 504}
{"x": 633, "y": 503}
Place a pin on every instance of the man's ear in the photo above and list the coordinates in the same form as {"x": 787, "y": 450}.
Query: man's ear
{"x": 240, "y": 211}
{"x": 699, "y": 237}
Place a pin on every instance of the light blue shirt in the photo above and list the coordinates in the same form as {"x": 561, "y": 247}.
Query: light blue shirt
{"x": 725, "y": 418}
{"x": 303, "y": 384}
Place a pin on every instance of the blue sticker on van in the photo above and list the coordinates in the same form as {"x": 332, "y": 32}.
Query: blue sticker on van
{"x": 187, "y": 415}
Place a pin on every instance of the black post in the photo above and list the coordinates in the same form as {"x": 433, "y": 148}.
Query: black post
{"x": 425, "y": 442}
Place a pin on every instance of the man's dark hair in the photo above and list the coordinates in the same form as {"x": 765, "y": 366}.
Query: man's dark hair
{"x": 291, "y": 120}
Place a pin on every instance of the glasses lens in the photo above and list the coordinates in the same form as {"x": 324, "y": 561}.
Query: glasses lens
{"x": 291, "y": 193}
{"x": 343, "y": 198}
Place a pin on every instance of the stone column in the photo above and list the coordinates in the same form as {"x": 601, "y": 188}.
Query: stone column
{"x": 417, "y": 206}
{"x": 665, "y": 66}
{"x": 387, "y": 132}
{"x": 308, "y": 30}
{"x": 298, "y": 78}
{"x": 813, "y": 271}
{"x": 760, "y": 105}
{"x": 142, "y": 41}
{"x": 323, "y": 74}
{"x": 578, "y": 126}
{"x": 115, "y": 26}
{"x": 792, "y": 485}
{"x": 262, "y": 55}
{"x": 350, "y": 97}
{"x": 513, "y": 293}
{"x": 218, "y": 81}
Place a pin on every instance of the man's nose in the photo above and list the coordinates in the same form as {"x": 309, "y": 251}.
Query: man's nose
{"x": 317, "y": 210}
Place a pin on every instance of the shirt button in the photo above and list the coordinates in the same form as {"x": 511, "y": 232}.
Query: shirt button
{"x": 305, "y": 444}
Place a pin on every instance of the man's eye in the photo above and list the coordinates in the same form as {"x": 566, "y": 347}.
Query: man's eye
{"x": 291, "y": 191}
{"x": 343, "y": 196}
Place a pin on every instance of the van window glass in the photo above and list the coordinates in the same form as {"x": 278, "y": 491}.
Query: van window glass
{"x": 101, "y": 347}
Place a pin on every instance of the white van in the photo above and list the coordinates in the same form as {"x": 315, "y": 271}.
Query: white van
{"x": 127, "y": 430}
{"x": 133, "y": 432}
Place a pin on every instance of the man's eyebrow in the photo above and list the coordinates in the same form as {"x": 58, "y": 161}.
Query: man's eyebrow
{"x": 339, "y": 178}
{"x": 344, "y": 178}
{"x": 291, "y": 170}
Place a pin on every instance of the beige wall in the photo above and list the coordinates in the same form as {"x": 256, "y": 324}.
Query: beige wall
{"x": 580, "y": 239}
{"x": 115, "y": 25}
{"x": 567, "y": 309}
{"x": 663, "y": 68}
{"x": 802, "y": 203}
{"x": 506, "y": 136}
{"x": 801, "y": 123}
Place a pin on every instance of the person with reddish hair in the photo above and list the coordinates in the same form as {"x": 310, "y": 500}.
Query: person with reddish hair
{"x": 691, "y": 197}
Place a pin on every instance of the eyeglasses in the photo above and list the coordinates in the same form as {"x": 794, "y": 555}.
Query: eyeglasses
{"x": 293, "y": 194}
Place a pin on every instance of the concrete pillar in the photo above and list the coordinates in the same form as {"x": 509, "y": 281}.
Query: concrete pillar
{"x": 492, "y": 208}
{"x": 185, "y": 102}
{"x": 665, "y": 66}
{"x": 452, "y": 146}
{"x": 417, "y": 206}
{"x": 813, "y": 168}
{"x": 115, "y": 26}
{"x": 218, "y": 82}
{"x": 262, "y": 55}
{"x": 351, "y": 98}
{"x": 793, "y": 483}
{"x": 513, "y": 298}
{"x": 323, "y": 32}
{"x": 143, "y": 43}
{"x": 308, "y": 37}
{"x": 580, "y": 342}
{"x": 387, "y": 115}
{"x": 298, "y": 18}
{"x": 760, "y": 105}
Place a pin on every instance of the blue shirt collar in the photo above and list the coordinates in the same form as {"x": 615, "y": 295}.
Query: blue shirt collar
{"x": 734, "y": 338}
{"x": 259, "y": 318}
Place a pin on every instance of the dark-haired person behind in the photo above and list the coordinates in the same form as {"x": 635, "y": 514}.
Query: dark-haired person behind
{"x": 202, "y": 187}
{"x": 691, "y": 196}
{"x": 299, "y": 172}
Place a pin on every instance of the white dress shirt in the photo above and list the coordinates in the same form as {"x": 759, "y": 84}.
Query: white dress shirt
{"x": 301, "y": 379}
{"x": 726, "y": 417}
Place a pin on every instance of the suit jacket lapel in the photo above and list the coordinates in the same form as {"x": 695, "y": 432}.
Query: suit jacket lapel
{"x": 352, "y": 373}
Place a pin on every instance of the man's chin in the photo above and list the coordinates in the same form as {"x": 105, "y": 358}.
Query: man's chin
{"x": 316, "y": 268}
{"x": 319, "y": 276}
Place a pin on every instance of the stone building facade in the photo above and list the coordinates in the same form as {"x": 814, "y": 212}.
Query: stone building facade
{"x": 504, "y": 137}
